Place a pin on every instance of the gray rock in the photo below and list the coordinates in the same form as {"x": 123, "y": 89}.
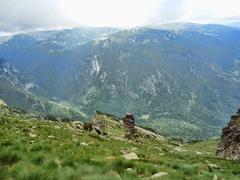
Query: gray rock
{"x": 131, "y": 156}
{"x": 213, "y": 166}
{"x": 215, "y": 177}
{"x": 32, "y": 135}
{"x": 159, "y": 174}
{"x": 83, "y": 144}
{"x": 78, "y": 124}
{"x": 129, "y": 169}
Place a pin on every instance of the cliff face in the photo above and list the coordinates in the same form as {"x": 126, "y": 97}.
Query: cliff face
{"x": 229, "y": 147}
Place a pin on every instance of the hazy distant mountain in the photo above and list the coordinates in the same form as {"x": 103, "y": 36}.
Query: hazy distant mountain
{"x": 4, "y": 38}
{"x": 182, "y": 80}
{"x": 234, "y": 24}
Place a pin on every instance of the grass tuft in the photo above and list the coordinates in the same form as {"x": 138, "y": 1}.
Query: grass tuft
{"x": 8, "y": 156}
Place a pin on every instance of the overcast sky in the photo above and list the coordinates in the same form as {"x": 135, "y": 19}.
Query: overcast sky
{"x": 22, "y": 15}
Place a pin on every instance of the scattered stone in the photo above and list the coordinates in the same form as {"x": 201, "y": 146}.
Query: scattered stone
{"x": 57, "y": 127}
{"x": 179, "y": 149}
{"x": 131, "y": 156}
{"x": 51, "y": 136}
{"x": 129, "y": 169}
{"x": 83, "y": 144}
{"x": 215, "y": 177}
{"x": 160, "y": 174}
{"x": 32, "y": 135}
{"x": 78, "y": 124}
{"x": 229, "y": 147}
{"x": 198, "y": 153}
{"x": 120, "y": 139}
{"x": 212, "y": 166}
{"x": 57, "y": 162}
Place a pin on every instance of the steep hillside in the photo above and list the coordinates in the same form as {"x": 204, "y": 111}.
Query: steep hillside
{"x": 43, "y": 149}
{"x": 21, "y": 92}
{"x": 42, "y": 56}
{"x": 182, "y": 83}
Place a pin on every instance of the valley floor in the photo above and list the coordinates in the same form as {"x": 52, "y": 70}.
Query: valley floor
{"x": 39, "y": 149}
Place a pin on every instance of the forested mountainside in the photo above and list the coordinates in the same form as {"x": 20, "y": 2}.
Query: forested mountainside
{"x": 182, "y": 80}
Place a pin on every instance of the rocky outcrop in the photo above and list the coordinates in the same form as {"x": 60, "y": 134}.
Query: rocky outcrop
{"x": 78, "y": 124}
{"x": 107, "y": 122}
{"x": 229, "y": 147}
{"x": 3, "y": 107}
{"x": 2, "y": 104}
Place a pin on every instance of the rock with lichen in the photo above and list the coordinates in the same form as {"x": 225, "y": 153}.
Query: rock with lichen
{"x": 229, "y": 147}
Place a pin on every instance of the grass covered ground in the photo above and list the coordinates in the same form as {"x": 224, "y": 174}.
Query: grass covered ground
{"x": 32, "y": 149}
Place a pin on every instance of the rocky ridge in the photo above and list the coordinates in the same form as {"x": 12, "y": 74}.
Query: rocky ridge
{"x": 229, "y": 147}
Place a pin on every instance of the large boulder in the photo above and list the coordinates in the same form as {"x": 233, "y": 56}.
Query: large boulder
{"x": 229, "y": 147}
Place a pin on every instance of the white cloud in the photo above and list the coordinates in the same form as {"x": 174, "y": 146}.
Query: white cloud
{"x": 20, "y": 15}
{"x": 109, "y": 12}
{"x": 210, "y": 10}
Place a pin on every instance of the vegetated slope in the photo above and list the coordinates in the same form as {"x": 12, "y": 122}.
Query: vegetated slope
{"x": 41, "y": 55}
{"x": 45, "y": 149}
{"x": 20, "y": 91}
{"x": 182, "y": 83}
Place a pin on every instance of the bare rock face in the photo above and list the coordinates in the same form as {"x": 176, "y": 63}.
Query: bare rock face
{"x": 229, "y": 147}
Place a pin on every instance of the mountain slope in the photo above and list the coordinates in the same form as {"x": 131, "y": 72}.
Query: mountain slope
{"x": 56, "y": 150}
{"x": 173, "y": 81}
{"x": 181, "y": 83}
{"x": 20, "y": 92}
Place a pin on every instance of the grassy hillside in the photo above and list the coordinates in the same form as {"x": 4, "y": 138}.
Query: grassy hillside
{"x": 42, "y": 149}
